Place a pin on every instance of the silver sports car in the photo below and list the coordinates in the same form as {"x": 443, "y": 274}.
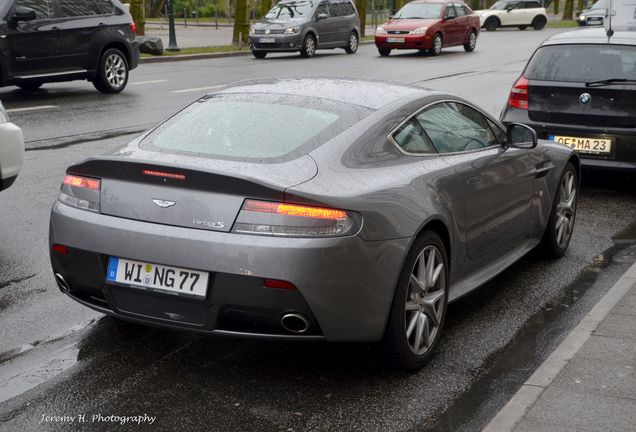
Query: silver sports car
{"x": 311, "y": 209}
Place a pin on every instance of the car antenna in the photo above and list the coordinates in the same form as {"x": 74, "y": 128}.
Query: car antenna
{"x": 610, "y": 31}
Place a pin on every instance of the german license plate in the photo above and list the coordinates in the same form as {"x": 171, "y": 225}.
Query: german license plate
{"x": 584, "y": 145}
{"x": 395, "y": 40}
{"x": 159, "y": 278}
{"x": 267, "y": 40}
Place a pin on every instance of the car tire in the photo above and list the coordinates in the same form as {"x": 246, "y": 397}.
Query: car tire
{"x": 471, "y": 43}
{"x": 491, "y": 24}
{"x": 558, "y": 232}
{"x": 259, "y": 54}
{"x": 384, "y": 52}
{"x": 31, "y": 86}
{"x": 539, "y": 22}
{"x": 436, "y": 49}
{"x": 523, "y": 27}
{"x": 419, "y": 305}
{"x": 352, "y": 43}
{"x": 309, "y": 46}
{"x": 112, "y": 73}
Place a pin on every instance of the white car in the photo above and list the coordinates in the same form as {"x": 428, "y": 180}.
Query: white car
{"x": 514, "y": 13}
{"x": 11, "y": 150}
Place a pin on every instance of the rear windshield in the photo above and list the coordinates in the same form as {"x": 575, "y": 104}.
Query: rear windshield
{"x": 420, "y": 11}
{"x": 300, "y": 9}
{"x": 253, "y": 127}
{"x": 582, "y": 63}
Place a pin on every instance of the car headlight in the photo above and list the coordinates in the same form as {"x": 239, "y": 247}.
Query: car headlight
{"x": 418, "y": 31}
{"x": 380, "y": 30}
{"x": 582, "y": 17}
{"x": 292, "y": 30}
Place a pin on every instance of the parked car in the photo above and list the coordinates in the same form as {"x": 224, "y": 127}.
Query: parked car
{"x": 305, "y": 26}
{"x": 578, "y": 89}
{"x": 514, "y": 13}
{"x": 62, "y": 40}
{"x": 595, "y": 15}
{"x": 11, "y": 150}
{"x": 429, "y": 26}
{"x": 344, "y": 210}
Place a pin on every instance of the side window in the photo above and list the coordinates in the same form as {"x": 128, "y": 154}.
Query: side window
{"x": 411, "y": 137}
{"x": 349, "y": 8}
{"x": 323, "y": 8}
{"x": 532, "y": 5}
{"x": 459, "y": 8}
{"x": 74, "y": 8}
{"x": 514, "y": 6}
{"x": 337, "y": 8}
{"x": 42, "y": 8}
{"x": 454, "y": 127}
{"x": 450, "y": 11}
{"x": 99, "y": 7}
{"x": 500, "y": 134}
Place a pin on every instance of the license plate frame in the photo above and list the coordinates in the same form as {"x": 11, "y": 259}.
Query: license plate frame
{"x": 157, "y": 278}
{"x": 586, "y": 145}
{"x": 395, "y": 40}
{"x": 267, "y": 40}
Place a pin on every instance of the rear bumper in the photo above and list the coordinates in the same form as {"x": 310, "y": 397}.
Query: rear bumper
{"x": 621, "y": 157}
{"x": 345, "y": 285}
{"x": 410, "y": 42}
{"x": 11, "y": 153}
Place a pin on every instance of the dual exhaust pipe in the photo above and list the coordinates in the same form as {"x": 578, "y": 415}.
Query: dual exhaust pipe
{"x": 61, "y": 283}
{"x": 295, "y": 323}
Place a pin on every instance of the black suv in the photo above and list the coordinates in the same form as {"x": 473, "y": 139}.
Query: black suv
{"x": 579, "y": 89}
{"x": 63, "y": 40}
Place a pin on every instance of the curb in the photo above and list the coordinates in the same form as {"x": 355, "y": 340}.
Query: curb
{"x": 516, "y": 409}
{"x": 204, "y": 56}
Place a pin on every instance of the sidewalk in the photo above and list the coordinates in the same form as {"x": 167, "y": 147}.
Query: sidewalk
{"x": 589, "y": 382}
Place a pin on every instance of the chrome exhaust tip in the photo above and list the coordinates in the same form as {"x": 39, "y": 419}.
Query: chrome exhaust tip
{"x": 61, "y": 283}
{"x": 295, "y": 323}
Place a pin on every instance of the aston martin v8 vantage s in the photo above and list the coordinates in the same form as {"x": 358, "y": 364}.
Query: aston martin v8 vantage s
{"x": 335, "y": 210}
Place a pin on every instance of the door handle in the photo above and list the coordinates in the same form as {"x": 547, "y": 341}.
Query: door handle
{"x": 474, "y": 179}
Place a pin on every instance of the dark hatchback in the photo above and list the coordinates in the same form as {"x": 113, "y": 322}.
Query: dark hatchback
{"x": 579, "y": 89}
{"x": 62, "y": 40}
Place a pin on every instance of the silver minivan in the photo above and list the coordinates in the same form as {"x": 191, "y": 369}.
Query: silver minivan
{"x": 305, "y": 26}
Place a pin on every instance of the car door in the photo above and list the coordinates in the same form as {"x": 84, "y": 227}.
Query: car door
{"x": 450, "y": 27}
{"x": 34, "y": 45}
{"x": 496, "y": 183}
{"x": 514, "y": 14}
{"x": 463, "y": 22}
{"x": 339, "y": 21}
{"x": 324, "y": 27}
{"x": 79, "y": 21}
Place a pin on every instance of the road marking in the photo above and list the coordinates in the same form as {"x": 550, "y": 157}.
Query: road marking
{"x": 191, "y": 90}
{"x": 34, "y": 108}
{"x": 147, "y": 82}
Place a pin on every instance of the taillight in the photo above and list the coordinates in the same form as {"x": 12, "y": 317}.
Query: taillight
{"x": 519, "y": 94}
{"x": 60, "y": 249}
{"x": 294, "y": 220}
{"x": 133, "y": 27}
{"x": 279, "y": 284}
{"x": 81, "y": 192}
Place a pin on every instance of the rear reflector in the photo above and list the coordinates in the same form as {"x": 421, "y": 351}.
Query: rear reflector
{"x": 294, "y": 210}
{"x": 82, "y": 182}
{"x": 279, "y": 284}
{"x": 519, "y": 94}
{"x": 61, "y": 249}
{"x": 164, "y": 174}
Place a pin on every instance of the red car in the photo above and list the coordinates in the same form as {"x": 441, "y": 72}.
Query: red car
{"x": 429, "y": 26}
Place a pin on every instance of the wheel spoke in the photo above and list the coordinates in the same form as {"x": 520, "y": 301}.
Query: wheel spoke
{"x": 409, "y": 329}
{"x": 421, "y": 287}
{"x": 412, "y": 305}
{"x": 431, "y": 306}
{"x": 419, "y": 331}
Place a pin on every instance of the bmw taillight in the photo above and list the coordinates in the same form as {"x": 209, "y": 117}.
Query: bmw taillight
{"x": 519, "y": 94}
{"x": 294, "y": 220}
{"x": 81, "y": 192}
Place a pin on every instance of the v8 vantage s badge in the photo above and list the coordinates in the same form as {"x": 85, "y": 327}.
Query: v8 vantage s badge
{"x": 585, "y": 98}
{"x": 209, "y": 224}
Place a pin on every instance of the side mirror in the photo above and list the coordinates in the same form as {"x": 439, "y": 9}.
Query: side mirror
{"x": 23, "y": 13}
{"x": 508, "y": 10}
{"x": 521, "y": 136}
{"x": 322, "y": 16}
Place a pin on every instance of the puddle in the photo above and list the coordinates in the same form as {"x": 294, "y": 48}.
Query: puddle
{"x": 506, "y": 370}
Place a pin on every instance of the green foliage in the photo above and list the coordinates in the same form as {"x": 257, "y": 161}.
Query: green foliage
{"x": 241, "y": 23}
{"x": 568, "y": 10}
{"x": 137, "y": 12}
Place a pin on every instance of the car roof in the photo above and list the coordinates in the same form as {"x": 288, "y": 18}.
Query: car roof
{"x": 368, "y": 94}
{"x": 597, "y": 35}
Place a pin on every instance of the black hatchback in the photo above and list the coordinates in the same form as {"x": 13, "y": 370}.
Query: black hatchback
{"x": 579, "y": 89}
{"x": 62, "y": 40}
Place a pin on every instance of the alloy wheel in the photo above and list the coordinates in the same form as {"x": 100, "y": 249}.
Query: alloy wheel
{"x": 424, "y": 307}
{"x": 310, "y": 46}
{"x": 566, "y": 209}
{"x": 437, "y": 44}
{"x": 472, "y": 40}
{"x": 115, "y": 70}
{"x": 353, "y": 42}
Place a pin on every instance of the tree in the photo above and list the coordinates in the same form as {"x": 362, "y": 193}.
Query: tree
{"x": 241, "y": 23}
{"x": 398, "y": 5}
{"x": 266, "y": 5}
{"x": 137, "y": 12}
{"x": 361, "y": 5}
{"x": 568, "y": 10}
{"x": 556, "y": 7}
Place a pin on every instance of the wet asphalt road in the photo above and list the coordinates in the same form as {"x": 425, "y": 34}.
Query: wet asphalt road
{"x": 58, "y": 358}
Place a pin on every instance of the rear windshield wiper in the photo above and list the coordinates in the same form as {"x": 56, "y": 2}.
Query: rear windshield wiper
{"x": 609, "y": 81}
